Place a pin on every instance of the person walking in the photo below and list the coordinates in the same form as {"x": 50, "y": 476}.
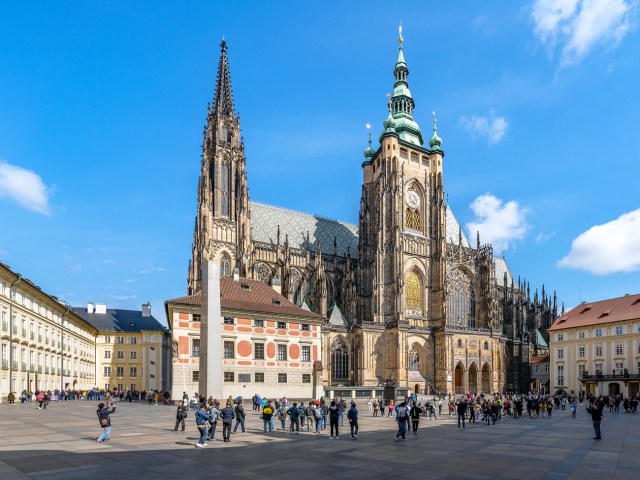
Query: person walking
{"x": 240, "y": 416}
{"x": 267, "y": 413}
{"x": 303, "y": 415}
{"x": 318, "y": 415}
{"x": 181, "y": 415}
{"x": 462, "y": 410}
{"x": 104, "y": 418}
{"x": 214, "y": 413}
{"x": 440, "y": 407}
{"x": 402, "y": 416}
{"x": 334, "y": 416}
{"x": 202, "y": 417}
{"x": 414, "y": 413}
{"x": 282, "y": 415}
{"x": 342, "y": 405}
{"x": 227, "y": 415}
{"x": 596, "y": 418}
{"x": 352, "y": 416}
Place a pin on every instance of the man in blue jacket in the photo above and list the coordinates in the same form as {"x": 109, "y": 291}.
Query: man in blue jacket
{"x": 202, "y": 417}
{"x": 227, "y": 416}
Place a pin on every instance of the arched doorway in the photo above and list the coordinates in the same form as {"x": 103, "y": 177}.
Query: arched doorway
{"x": 417, "y": 389}
{"x": 473, "y": 378}
{"x": 614, "y": 388}
{"x": 486, "y": 379}
{"x": 457, "y": 385}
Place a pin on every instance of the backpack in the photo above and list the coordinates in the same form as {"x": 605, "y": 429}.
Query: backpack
{"x": 317, "y": 413}
{"x": 41, "y": 397}
{"x": 402, "y": 412}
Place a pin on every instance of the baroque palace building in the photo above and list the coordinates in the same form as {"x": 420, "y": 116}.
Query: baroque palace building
{"x": 403, "y": 294}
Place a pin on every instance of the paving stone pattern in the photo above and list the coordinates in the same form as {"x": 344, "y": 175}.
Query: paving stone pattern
{"x": 59, "y": 443}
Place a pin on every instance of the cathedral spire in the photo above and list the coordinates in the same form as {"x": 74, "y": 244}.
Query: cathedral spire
{"x": 223, "y": 98}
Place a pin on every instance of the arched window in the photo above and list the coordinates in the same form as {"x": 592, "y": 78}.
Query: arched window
{"x": 339, "y": 359}
{"x": 224, "y": 188}
{"x": 225, "y": 266}
{"x": 414, "y": 290}
{"x": 486, "y": 345}
{"x": 414, "y": 360}
{"x": 459, "y": 343}
{"x": 461, "y": 300}
{"x": 263, "y": 273}
{"x": 412, "y": 219}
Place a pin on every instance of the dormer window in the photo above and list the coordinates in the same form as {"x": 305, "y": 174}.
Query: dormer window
{"x": 276, "y": 302}
{"x": 245, "y": 286}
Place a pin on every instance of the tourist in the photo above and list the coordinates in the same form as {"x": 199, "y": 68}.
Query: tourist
{"x": 334, "y": 415}
{"x": 440, "y": 407}
{"x": 596, "y": 418}
{"x": 11, "y": 398}
{"x": 214, "y": 414}
{"x": 462, "y": 409}
{"x": 370, "y": 406}
{"x": 414, "y": 413}
{"x": 573, "y": 407}
{"x": 282, "y": 415}
{"x": 104, "y": 413}
{"x": 181, "y": 415}
{"x": 318, "y": 415}
{"x": 202, "y": 417}
{"x": 352, "y": 416}
{"x": 402, "y": 416}
{"x": 376, "y": 407}
{"x": 325, "y": 413}
{"x": 391, "y": 406}
{"x": 227, "y": 416}
{"x": 342, "y": 405}
{"x": 267, "y": 413}
{"x": 240, "y": 416}
{"x": 382, "y": 405}
{"x": 294, "y": 418}
{"x": 303, "y": 414}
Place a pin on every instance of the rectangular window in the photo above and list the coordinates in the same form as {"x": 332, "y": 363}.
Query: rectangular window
{"x": 120, "y": 371}
{"x": 106, "y": 372}
{"x": 546, "y": 368}
{"x": 107, "y": 354}
{"x": 638, "y": 347}
{"x": 119, "y": 386}
{"x": 195, "y": 317}
{"x": 306, "y": 353}
{"x": 618, "y": 330}
{"x": 258, "y": 351}
{"x": 134, "y": 355}
{"x": 581, "y": 352}
{"x": 229, "y": 321}
{"x": 120, "y": 339}
{"x": 229, "y": 349}
{"x": 304, "y": 327}
{"x": 580, "y": 371}
{"x": 228, "y": 376}
{"x": 598, "y": 367}
{"x": 244, "y": 377}
{"x": 560, "y": 375}
{"x": 133, "y": 371}
{"x": 282, "y": 378}
{"x": 258, "y": 323}
{"x": 306, "y": 378}
{"x": 618, "y": 349}
{"x": 598, "y": 350}
{"x": 598, "y": 332}
{"x": 560, "y": 353}
{"x": 134, "y": 340}
{"x": 619, "y": 368}
{"x": 120, "y": 354}
{"x": 258, "y": 377}
{"x": 580, "y": 334}
{"x": 282, "y": 352}
{"x": 195, "y": 376}
{"x": 560, "y": 337}
{"x": 638, "y": 365}
{"x": 195, "y": 347}
{"x": 282, "y": 325}
{"x": 107, "y": 339}
{"x": 133, "y": 386}
{"x": 537, "y": 368}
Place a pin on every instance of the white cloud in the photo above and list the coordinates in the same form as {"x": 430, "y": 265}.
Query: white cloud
{"x": 499, "y": 223}
{"x": 581, "y": 25}
{"x": 608, "y": 248}
{"x": 543, "y": 237}
{"x": 491, "y": 126}
{"x": 24, "y": 187}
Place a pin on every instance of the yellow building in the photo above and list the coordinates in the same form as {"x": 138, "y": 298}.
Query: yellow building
{"x": 595, "y": 348}
{"x": 45, "y": 345}
{"x": 133, "y": 350}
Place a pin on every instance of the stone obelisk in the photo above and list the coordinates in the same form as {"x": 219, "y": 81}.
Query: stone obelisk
{"x": 210, "y": 332}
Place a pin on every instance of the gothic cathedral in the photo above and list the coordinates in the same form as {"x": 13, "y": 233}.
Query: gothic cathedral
{"x": 404, "y": 293}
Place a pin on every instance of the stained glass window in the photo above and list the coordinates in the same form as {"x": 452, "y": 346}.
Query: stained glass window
{"x": 224, "y": 189}
{"x": 414, "y": 360}
{"x": 414, "y": 287}
{"x": 412, "y": 219}
{"x": 339, "y": 359}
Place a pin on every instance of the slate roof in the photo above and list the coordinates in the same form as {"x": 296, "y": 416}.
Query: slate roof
{"x": 540, "y": 341}
{"x": 259, "y": 298}
{"x": 605, "y": 311}
{"x": 502, "y": 267}
{"x": 118, "y": 320}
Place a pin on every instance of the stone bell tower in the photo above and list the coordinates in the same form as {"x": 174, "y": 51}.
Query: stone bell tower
{"x": 222, "y": 232}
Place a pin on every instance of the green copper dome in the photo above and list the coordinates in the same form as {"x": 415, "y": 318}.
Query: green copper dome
{"x": 435, "y": 141}
{"x": 369, "y": 152}
{"x": 389, "y": 123}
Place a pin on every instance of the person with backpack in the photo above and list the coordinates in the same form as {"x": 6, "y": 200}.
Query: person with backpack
{"x": 376, "y": 407}
{"x": 303, "y": 414}
{"x": 414, "y": 413}
{"x": 214, "y": 414}
{"x": 294, "y": 418}
{"x": 240, "y": 416}
{"x": 282, "y": 415}
{"x": 267, "y": 413}
{"x": 318, "y": 417}
{"x": 181, "y": 415}
{"x": 105, "y": 421}
{"x": 227, "y": 416}
{"x": 202, "y": 417}
{"x": 325, "y": 413}
{"x": 352, "y": 416}
{"x": 334, "y": 416}
{"x": 402, "y": 417}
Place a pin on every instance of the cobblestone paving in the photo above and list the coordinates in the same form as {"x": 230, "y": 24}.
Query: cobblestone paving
{"x": 59, "y": 443}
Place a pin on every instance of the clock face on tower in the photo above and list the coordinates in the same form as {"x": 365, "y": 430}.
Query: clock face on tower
{"x": 412, "y": 199}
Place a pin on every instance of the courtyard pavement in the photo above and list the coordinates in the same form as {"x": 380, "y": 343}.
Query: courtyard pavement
{"x": 59, "y": 443}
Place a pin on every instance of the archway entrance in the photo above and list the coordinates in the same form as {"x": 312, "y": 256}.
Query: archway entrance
{"x": 473, "y": 378}
{"x": 486, "y": 379}
{"x": 458, "y": 379}
{"x": 417, "y": 389}
{"x": 614, "y": 389}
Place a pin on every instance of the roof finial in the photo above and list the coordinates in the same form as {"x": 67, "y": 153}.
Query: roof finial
{"x": 400, "y": 39}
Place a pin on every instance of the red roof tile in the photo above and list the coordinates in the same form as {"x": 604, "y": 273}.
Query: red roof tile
{"x": 252, "y": 296}
{"x": 539, "y": 359}
{"x": 605, "y": 311}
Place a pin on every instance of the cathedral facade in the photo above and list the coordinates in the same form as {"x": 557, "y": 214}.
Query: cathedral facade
{"x": 404, "y": 294}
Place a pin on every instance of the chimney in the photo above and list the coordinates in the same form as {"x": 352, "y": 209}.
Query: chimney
{"x": 91, "y": 307}
{"x": 101, "y": 309}
{"x": 236, "y": 275}
{"x": 277, "y": 285}
{"x": 146, "y": 309}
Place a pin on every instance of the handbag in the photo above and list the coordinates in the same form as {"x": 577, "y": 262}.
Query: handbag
{"x": 104, "y": 422}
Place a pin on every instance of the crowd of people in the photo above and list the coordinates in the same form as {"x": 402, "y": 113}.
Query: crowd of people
{"x": 99, "y": 395}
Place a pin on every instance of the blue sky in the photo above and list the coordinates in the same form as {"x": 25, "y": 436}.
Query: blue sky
{"x": 102, "y": 107}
